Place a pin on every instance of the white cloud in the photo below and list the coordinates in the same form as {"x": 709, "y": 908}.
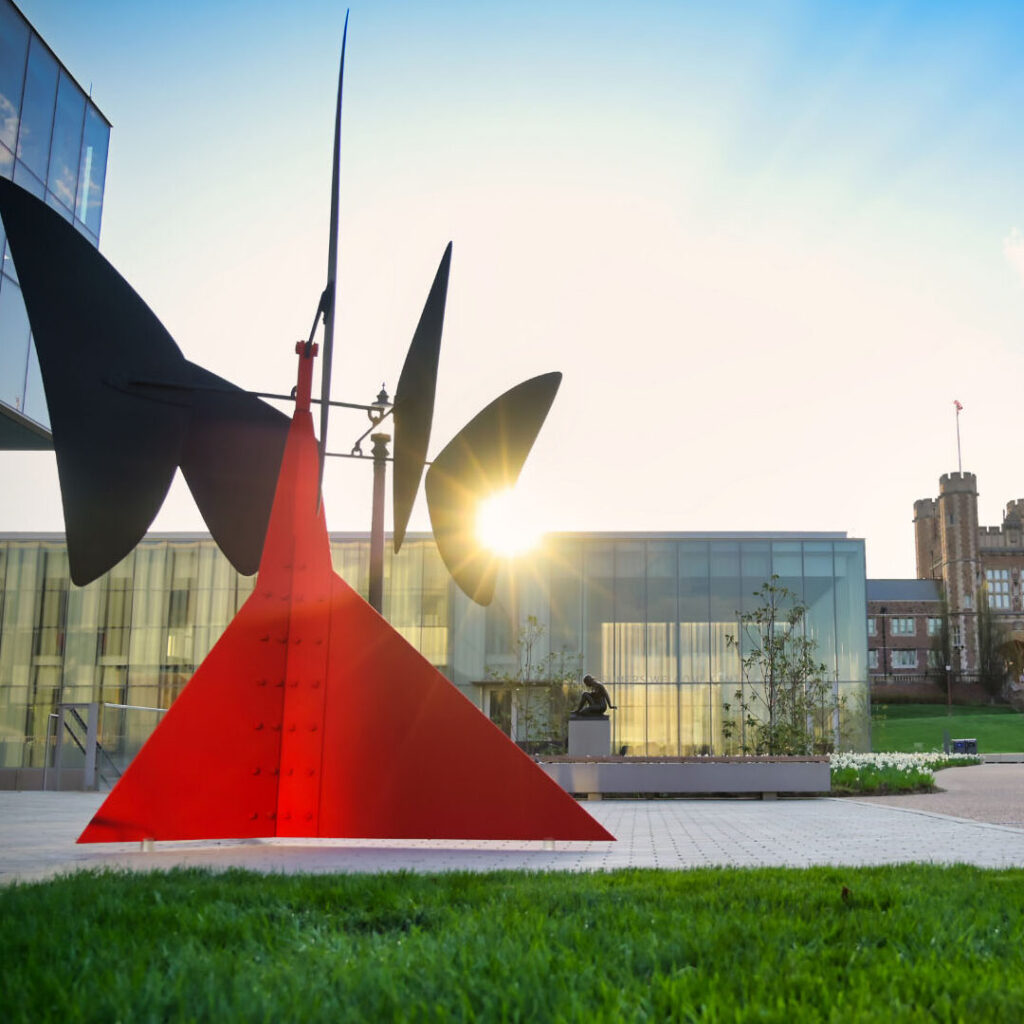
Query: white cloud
{"x": 1013, "y": 250}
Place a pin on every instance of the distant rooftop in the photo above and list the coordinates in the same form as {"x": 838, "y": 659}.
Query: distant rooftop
{"x": 339, "y": 535}
{"x": 903, "y": 590}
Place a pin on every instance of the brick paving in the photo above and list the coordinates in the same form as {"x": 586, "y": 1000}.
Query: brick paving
{"x": 978, "y": 819}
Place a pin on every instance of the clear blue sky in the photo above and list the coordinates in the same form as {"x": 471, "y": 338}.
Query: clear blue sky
{"x": 767, "y": 243}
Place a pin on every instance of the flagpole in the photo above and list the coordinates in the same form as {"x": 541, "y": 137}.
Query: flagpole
{"x": 959, "y": 463}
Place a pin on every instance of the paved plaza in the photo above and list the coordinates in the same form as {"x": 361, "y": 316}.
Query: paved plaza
{"x": 978, "y": 819}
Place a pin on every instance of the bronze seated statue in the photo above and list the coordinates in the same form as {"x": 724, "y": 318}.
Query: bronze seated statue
{"x": 594, "y": 701}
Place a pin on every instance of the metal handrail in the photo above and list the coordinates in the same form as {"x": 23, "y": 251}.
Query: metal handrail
{"x": 106, "y": 768}
{"x": 132, "y": 707}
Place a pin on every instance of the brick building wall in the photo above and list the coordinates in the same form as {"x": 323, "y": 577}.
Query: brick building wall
{"x": 904, "y": 632}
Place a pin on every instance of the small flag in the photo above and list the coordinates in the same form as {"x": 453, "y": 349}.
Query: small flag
{"x": 957, "y": 404}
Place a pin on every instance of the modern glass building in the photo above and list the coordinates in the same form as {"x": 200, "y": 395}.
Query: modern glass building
{"x": 649, "y": 614}
{"x": 53, "y": 142}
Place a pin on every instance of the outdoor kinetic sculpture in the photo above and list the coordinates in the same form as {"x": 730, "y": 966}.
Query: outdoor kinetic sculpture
{"x": 311, "y": 716}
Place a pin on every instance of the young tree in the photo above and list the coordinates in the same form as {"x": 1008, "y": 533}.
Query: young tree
{"x": 786, "y": 704}
{"x": 542, "y": 688}
{"x": 942, "y": 645}
{"x": 999, "y": 657}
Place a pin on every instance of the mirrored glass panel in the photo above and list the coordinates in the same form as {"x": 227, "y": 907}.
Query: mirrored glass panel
{"x": 662, "y": 613}
{"x": 694, "y": 625}
{"x": 565, "y": 595}
{"x": 695, "y": 720}
{"x": 37, "y": 109}
{"x": 67, "y": 142}
{"x": 92, "y": 171}
{"x": 403, "y": 590}
{"x": 819, "y": 600}
{"x": 13, "y": 53}
{"x": 787, "y": 563}
{"x": 29, "y": 181}
{"x": 851, "y": 611}
{"x": 598, "y": 610}
{"x": 629, "y": 721}
{"x": 755, "y": 560}
{"x": 351, "y": 561}
{"x": 755, "y": 566}
{"x": 662, "y": 720}
{"x": 855, "y": 717}
{"x": 499, "y": 621}
{"x": 14, "y": 331}
{"x": 35, "y": 397}
{"x": 629, "y": 632}
{"x": 725, "y": 600}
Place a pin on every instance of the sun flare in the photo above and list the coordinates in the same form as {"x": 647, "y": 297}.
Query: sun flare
{"x": 507, "y": 525}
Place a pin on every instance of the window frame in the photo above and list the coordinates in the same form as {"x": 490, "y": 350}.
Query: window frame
{"x": 903, "y": 653}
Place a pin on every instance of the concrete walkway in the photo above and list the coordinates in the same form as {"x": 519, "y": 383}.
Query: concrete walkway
{"x": 993, "y": 793}
{"x": 979, "y": 819}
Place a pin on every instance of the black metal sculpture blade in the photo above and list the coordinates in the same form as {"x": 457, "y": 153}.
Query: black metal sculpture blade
{"x": 327, "y": 301}
{"x": 124, "y": 409}
{"x": 230, "y": 459}
{"x": 414, "y": 400}
{"x": 93, "y": 334}
{"x": 486, "y": 456}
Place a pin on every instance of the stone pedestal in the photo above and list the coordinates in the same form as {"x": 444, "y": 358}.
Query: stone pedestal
{"x": 590, "y": 737}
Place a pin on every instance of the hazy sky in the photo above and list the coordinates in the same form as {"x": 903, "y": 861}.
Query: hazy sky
{"x": 768, "y": 244}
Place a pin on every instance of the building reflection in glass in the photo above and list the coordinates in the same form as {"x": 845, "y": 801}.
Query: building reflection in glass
{"x": 53, "y": 142}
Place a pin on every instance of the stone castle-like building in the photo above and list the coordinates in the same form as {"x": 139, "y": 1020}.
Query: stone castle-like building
{"x": 969, "y": 564}
{"x": 973, "y": 563}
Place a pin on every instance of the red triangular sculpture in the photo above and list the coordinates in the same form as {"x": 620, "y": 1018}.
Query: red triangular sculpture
{"x": 313, "y": 717}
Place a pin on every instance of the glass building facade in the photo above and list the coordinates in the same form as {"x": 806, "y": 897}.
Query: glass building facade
{"x": 53, "y": 143}
{"x": 649, "y": 614}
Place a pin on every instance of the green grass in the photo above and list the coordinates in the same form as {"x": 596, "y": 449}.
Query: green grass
{"x": 872, "y": 781}
{"x": 910, "y": 727}
{"x": 911, "y": 943}
{"x": 897, "y": 711}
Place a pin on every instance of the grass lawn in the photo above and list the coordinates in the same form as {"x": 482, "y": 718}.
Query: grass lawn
{"x": 908, "y": 943}
{"x": 910, "y": 727}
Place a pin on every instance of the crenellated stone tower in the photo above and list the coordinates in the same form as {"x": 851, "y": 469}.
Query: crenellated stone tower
{"x": 946, "y": 541}
{"x": 926, "y": 539}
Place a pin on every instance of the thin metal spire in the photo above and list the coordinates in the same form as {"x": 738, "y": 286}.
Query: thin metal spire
{"x": 327, "y": 300}
{"x": 959, "y": 462}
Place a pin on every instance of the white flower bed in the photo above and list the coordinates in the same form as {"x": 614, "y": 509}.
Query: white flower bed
{"x": 900, "y": 762}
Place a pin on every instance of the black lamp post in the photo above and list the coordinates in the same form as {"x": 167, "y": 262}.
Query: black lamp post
{"x": 885, "y": 656}
{"x": 377, "y": 411}
{"x": 957, "y": 663}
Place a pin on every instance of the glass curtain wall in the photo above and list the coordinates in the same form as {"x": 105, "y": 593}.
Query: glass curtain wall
{"x": 53, "y": 143}
{"x": 649, "y": 616}
{"x": 136, "y": 635}
{"x": 656, "y": 618}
